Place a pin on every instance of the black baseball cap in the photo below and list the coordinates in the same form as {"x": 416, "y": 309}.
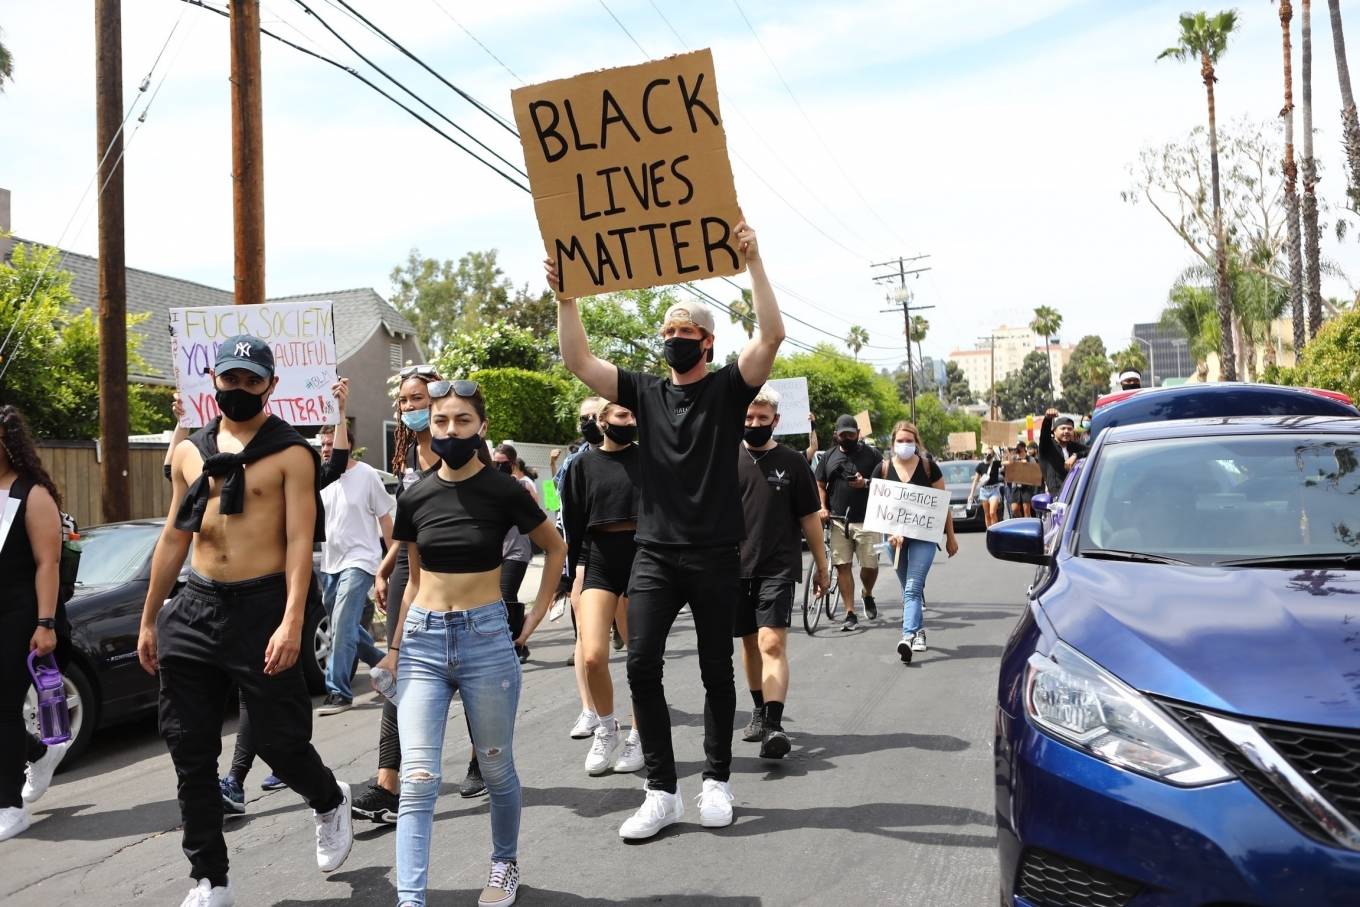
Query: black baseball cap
{"x": 846, "y": 423}
{"x": 1064, "y": 420}
{"x": 247, "y": 352}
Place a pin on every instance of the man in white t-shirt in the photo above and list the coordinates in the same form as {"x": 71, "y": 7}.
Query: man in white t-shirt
{"x": 358, "y": 507}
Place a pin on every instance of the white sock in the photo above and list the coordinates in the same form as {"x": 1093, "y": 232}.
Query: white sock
{"x": 610, "y": 723}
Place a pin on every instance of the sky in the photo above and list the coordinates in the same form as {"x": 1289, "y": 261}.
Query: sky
{"x": 993, "y": 136}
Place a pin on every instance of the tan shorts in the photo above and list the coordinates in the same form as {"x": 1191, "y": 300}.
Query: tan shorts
{"x": 861, "y": 545}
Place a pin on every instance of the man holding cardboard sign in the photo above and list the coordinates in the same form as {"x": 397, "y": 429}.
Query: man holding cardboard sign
{"x": 690, "y": 523}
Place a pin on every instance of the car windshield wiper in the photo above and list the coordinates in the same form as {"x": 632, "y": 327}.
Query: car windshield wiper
{"x": 1345, "y": 559}
{"x": 1139, "y": 557}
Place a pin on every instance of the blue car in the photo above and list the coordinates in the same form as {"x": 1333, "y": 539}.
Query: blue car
{"x": 1178, "y": 714}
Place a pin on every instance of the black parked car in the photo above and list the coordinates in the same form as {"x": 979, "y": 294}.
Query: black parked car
{"x": 958, "y": 478}
{"x": 105, "y": 683}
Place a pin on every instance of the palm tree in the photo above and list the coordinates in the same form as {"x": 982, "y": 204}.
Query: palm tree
{"x": 1312, "y": 262}
{"x": 742, "y": 312}
{"x": 856, "y": 339}
{"x": 1047, "y": 322}
{"x": 1291, "y": 191}
{"x": 1191, "y": 308}
{"x": 919, "y": 328}
{"x": 1206, "y": 38}
{"x": 6, "y": 66}
{"x": 1350, "y": 121}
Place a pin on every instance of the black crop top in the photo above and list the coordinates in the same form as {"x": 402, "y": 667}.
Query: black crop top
{"x": 459, "y": 527}
{"x": 605, "y": 485}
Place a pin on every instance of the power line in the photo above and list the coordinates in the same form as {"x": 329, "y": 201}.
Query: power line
{"x": 514, "y": 75}
{"x": 619, "y": 23}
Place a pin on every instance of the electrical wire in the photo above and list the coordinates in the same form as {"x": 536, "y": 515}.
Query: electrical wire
{"x": 514, "y": 75}
{"x": 619, "y": 23}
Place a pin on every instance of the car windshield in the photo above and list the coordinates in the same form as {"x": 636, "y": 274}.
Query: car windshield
{"x": 957, "y": 472}
{"x": 1214, "y": 500}
{"x": 115, "y": 554}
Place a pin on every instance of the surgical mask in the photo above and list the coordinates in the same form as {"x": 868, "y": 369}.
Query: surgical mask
{"x": 416, "y": 419}
{"x": 758, "y": 435}
{"x": 621, "y": 434}
{"x": 904, "y": 451}
{"x": 590, "y": 430}
{"x": 683, "y": 353}
{"x": 239, "y": 404}
{"x": 456, "y": 451}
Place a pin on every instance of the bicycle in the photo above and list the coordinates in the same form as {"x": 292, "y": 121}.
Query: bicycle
{"x": 827, "y": 603}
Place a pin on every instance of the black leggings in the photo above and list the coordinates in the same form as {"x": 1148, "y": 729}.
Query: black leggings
{"x": 17, "y": 745}
{"x": 389, "y": 741}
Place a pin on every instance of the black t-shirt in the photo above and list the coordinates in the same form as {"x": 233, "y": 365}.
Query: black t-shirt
{"x": 459, "y": 527}
{"x": 687, "y": 471}
{"x": 777, "y": 491}
{"x": 991, "y": 470}
{"x": 836, "y": 471}
{"x": 927, "y": 472}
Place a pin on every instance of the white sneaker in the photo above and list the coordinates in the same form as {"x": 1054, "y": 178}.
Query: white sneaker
{"x": 13, "y": 821}
{"x": 715, "y": 804}
{"x": 630, "y": 757}
{"x": 585, "y": 725}
{"x": 918, "y": 644}
{"x": 335, "y": 833}
{"x": 501, "y": 885}
{"x": 659, "y": 810}
{"x": 603, "y": 750}
{"x": 205, "y": 895}
{"x": 38, "y": 775}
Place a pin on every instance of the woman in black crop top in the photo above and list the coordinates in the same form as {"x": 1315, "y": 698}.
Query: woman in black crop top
{"x": 910, "y": 463}
{"x": 454, "y": 635}
{"x": 600, "y": 495}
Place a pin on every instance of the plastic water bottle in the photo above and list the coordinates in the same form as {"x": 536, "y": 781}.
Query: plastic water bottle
{"x": 54, "y": 719}
{"x": 383, "y": 682}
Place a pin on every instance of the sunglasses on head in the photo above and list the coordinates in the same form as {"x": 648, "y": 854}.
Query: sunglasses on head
{"x": 463, "y": 388}
{"x": 417, "y": 371}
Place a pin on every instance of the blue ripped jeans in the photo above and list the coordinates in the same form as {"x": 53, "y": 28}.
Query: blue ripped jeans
{"x": 912, "y": 566}
{"x": 470, "y": 652}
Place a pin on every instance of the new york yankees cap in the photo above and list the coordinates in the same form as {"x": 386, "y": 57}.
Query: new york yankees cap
{"x": 247, "y": 352}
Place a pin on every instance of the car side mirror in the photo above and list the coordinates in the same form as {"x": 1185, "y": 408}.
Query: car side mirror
{"x": 1041, "y": 502}
{"x": 1020, "y": 539}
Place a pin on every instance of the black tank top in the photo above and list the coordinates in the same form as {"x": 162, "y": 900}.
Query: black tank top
{"x": 18, "y": 569}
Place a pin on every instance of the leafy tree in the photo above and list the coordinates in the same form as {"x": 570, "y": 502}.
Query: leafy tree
{"x": 625, "y": 328}
{"x": 855, "y": 340}
{"x": 1331, "y": 360}
{"x": 956, "y": 389}
{"x": 1086, "y": 375}
{"x": 496, "y": 345}
{"x": 6, "y": 66}
{"x": 919, "y": 328}
{"x": 523, "y": 405}
{"x": 1130, "y": 359}
{"x": 1047, "y": 322}
{"x": 1291, "y": 173}
{"x": 839, "y": 385}
{"x": 1312, "y": 234}
{"x": 744, "y": 313}
{"x": 936, "y": 422}
{"x": 1350, "y": 120}
{"x": 1026, "y": 391}
{"x": 1206, "y": 39}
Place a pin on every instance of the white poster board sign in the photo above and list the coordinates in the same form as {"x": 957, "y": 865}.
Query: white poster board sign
{"x": 302, "y": 336}
{"x": 794, "y": 413}
{"x": 914, "y": 511}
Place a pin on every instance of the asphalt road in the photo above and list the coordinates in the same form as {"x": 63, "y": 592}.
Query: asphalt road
{"x": 885, "y": 799}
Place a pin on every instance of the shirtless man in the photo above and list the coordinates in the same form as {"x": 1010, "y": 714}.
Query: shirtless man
{"x": 246, "y": 495}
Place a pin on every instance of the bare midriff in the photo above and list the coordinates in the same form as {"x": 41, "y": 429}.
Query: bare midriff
{"x": 457, "y": 591}
{"x": 249, "y": 544}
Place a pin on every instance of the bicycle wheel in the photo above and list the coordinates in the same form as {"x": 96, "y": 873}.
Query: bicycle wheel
{"x": 833, "y": 600}
{"x": 812, "y": 605}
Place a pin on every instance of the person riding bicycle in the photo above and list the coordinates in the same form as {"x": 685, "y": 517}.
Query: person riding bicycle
{"x": 843, "y": 483}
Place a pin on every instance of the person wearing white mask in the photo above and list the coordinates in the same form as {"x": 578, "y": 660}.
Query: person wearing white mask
{"x": 911, "y": 464}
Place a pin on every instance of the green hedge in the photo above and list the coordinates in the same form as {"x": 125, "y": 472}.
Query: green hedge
{"x": 523, "y": 405}
{"x": 1331, "y": 360}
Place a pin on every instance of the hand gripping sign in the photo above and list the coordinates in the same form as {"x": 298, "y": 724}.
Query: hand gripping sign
{"x": 914, "y": 511}
{"x": 630, "y": 175}
{"x": 302, "y": 336}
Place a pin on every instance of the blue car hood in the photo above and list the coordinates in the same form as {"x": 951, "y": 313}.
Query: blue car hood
{"x": 1265, "y": 643}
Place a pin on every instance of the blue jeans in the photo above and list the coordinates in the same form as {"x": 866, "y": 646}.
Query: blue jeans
{"x": 443, "y": 651}
{"x": 912, "y": 566}
{"x": 344, "y": 595}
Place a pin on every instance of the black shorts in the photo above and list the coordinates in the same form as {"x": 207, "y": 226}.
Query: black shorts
{"x": 608, "y": 560}
{"x": 1023, "y": 494}
{"x": 764, "y": 602}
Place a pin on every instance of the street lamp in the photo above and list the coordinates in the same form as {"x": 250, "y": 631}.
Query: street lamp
{"x": 1179, "y": 344}
{"x": 1152, "y": 359}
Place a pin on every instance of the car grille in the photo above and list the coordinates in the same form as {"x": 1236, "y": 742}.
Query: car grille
{"x": 1329, "y": 759}
{"x": 1050, "y": 880}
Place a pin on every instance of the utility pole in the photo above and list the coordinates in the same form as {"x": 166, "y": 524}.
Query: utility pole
{"x": 903, "y": 296}
{"x": 115, "y": 491}
{"x": 247, "y": 152}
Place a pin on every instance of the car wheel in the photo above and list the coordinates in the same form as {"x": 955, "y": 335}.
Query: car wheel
{"x": 82, "y": 705}
{"x": 317, "y": 630}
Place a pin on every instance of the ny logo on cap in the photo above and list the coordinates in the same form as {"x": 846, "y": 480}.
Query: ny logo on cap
{"x": 242, "y": 348}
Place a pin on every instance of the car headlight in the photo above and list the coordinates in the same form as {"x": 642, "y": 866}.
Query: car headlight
{"x": 1080, "y": 703}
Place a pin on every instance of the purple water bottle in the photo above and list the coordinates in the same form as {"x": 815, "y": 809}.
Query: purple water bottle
{"x": 54, "y": 720}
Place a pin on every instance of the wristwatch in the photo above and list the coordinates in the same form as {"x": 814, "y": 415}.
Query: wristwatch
{"x": 47, "y": 623}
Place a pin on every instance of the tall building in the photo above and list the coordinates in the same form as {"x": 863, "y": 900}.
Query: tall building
{"x": 1170, "y": 352}
{"x": 1011, "y": 345}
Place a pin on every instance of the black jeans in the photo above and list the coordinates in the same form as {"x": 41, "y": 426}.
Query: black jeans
{"x": 210, "y": 635}
{"x": 17, "y": 745}
{"x": 664, "y": 579}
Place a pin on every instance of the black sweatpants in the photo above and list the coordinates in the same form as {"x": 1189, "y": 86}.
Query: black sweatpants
{"x": 664, "y": 580}
{"x": 210, "y": 635}
{"x": 17, "y": 746}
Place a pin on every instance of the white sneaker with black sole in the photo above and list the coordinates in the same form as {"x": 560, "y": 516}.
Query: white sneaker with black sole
{"x": 334, "y": 704}
{"x": 38, "y": 775}
{"x": 904, "y": 649}
{"x": 715, "y": 804}
{"x": 658, "y": 810}
{"x": 603, "y": 749}
{"x": 335, "y": 832}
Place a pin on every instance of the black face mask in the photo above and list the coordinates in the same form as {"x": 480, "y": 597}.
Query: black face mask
{"x": 456, "y": 451}
{"x": 620, "y": 434}
{"x": 507, "y": 467}
{"x": 683, "y": 353}
{"x": 758, "y": 435}
{"x": 590, "y": 430}
{"x": 239, "y": 404}
{"x": 848, "y": 444}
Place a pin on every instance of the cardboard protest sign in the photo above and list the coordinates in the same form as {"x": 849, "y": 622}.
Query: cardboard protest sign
{"x": 998, "y": 434}
{"x": 302, "y": 336}
{"x": 962, "y": 442}
{"x": 914, "y": 511}
{"x": 630, "y": 175}
{"x": 1024, "y": 473}
{"x": 865, "y": 427}
{"x": 793, "y": 406}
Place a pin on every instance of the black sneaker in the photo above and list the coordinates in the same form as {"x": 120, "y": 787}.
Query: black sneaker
{"x": 775, "y": 744}
{"x": 851, "y": 622}
{"x": 755, "y": 729}
{"x": 334, "y": 704}
{"x": 377, "y": 804}
{"x": 870, "y": 607}
{"x": 473, "y": 785}
{"x": 904, "y": 649}
{"x": 523, "y": 653}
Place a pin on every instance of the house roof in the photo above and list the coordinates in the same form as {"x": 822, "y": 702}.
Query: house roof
{"x": 358, "y": 312}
